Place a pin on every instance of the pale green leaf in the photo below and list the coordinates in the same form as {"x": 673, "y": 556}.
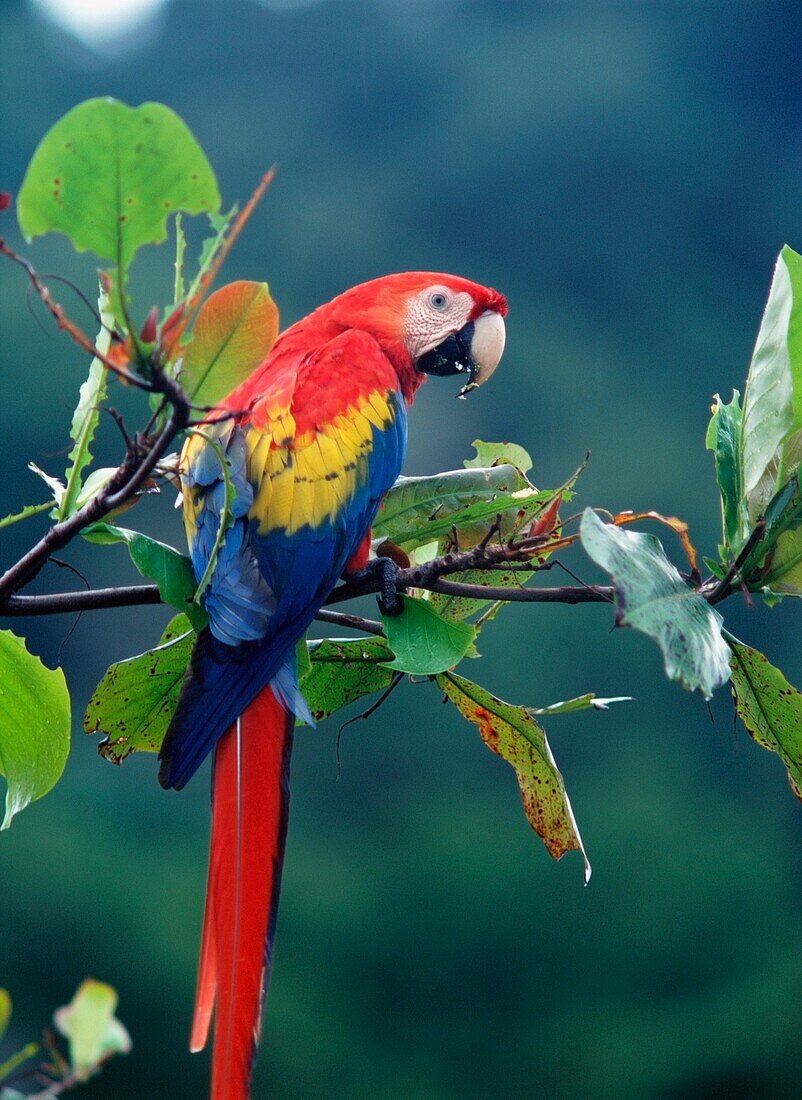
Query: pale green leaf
{"x": 34, "y": 724}
{"x": 651, "y": 596}
{"x": 771, "y": 432}
{"x": 89, "y": 1023}
{"x": 724, "y": 440}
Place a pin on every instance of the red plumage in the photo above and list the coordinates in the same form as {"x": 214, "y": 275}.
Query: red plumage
{"x": 250, "y": 804}
{"x": 306, "y": 384}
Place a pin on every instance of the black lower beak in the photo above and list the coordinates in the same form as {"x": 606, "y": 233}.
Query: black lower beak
{"x": 453, "y": 356}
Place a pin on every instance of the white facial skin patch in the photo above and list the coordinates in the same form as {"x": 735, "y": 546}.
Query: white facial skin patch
{"x": 432, "y": 316}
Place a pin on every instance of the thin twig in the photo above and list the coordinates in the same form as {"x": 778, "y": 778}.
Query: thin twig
{"x": 66, "y": 325}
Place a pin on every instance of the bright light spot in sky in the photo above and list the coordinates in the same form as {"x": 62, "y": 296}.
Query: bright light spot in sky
{"x": 99, "y": 22}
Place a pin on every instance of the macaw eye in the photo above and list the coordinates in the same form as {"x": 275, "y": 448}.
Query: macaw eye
{"x": 438, "y": 300}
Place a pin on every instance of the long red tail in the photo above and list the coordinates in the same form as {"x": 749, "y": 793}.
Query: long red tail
{"x": 250, "y": 803}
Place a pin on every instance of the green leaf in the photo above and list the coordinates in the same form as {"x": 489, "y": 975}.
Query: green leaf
{"x": 418, "y": 510}
{"x": 234, "y": 331}
{"x": 724, "y": 440}
{"x": 34, "y": 725}
{"x": 493, "y": 454}
{"x": 108, "y": 176}
{"x": 652, "y": 597}
{"x": 771, "y": 432}
{"x": 5, "y": 1011}
{"x": 28, "y": 511}
{"x": 512, "y": 733}
{"x": 171, "y": 571}
{"x": 341, "y": 672}
{"x": 769, "y": 707}
{"x": 134, "y": 702}
{"x": 11, "y": 1065}
{"x": 93, "y": 1030}
{"x": 87, "y": 414}
{"x": 582, "y": 702}
{"x": 422, "y": 642}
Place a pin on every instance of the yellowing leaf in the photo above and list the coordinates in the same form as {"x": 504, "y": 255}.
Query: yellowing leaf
{"x": 512, "y": 733}
{"x": 770, "y": 708}
{"x": 235, "y": 329}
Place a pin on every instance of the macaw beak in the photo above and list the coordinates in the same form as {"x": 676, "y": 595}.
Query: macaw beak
{"x": 475, "y": 350}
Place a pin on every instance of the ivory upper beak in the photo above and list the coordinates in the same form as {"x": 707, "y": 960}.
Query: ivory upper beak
{"x": 487, "y": 344}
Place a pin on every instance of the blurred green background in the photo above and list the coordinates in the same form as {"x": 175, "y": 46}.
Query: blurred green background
{"x": 625, "y": 173}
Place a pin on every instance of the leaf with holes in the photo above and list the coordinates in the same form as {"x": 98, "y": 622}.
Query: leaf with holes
{"x": 651, "y": 596}
{"x": 108, "y": 176}
{"x": 423, "y": 643}
{"x": 769, "y": 707}
{"x": 340, "y": 672}
{"x": 234, "y": 331}
{"x": 34, "y": 725}
{"x": 512, "y": 733}
{"x": 134, "y": 702}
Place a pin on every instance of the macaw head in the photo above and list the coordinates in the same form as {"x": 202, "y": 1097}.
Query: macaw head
{"x": 428, "y": 323}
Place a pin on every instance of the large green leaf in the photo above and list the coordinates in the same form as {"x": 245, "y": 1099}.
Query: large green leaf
{"x": 91, "y": 1027}
{"x": 171, "y": 571}
{"x": 771, "y": 433}
{"x": 512, "y": 733}
{"x": 34, "y": 724}
{"x": 418, "y": 510}
{"x": 233, "y": 333}
{"x": 134, "y": 702}
{"x": 87, "y": 413}
{"x": 108, "y": 176}
{"x": 651, "y": 596}
{"x": 770, "y": 708}
{"x": 423, "y": 643}
{"x": 340, "y": 672}
{"x": 724, "y": 440}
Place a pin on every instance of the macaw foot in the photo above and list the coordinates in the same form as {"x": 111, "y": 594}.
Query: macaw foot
{"x": 385, "y": 571}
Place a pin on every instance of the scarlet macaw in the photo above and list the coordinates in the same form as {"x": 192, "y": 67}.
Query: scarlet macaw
{"x": 313, "y": 440}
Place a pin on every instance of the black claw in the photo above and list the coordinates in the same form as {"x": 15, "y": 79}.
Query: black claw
{"x": 385, "y": 571}
{"x": 388, "y": 599}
